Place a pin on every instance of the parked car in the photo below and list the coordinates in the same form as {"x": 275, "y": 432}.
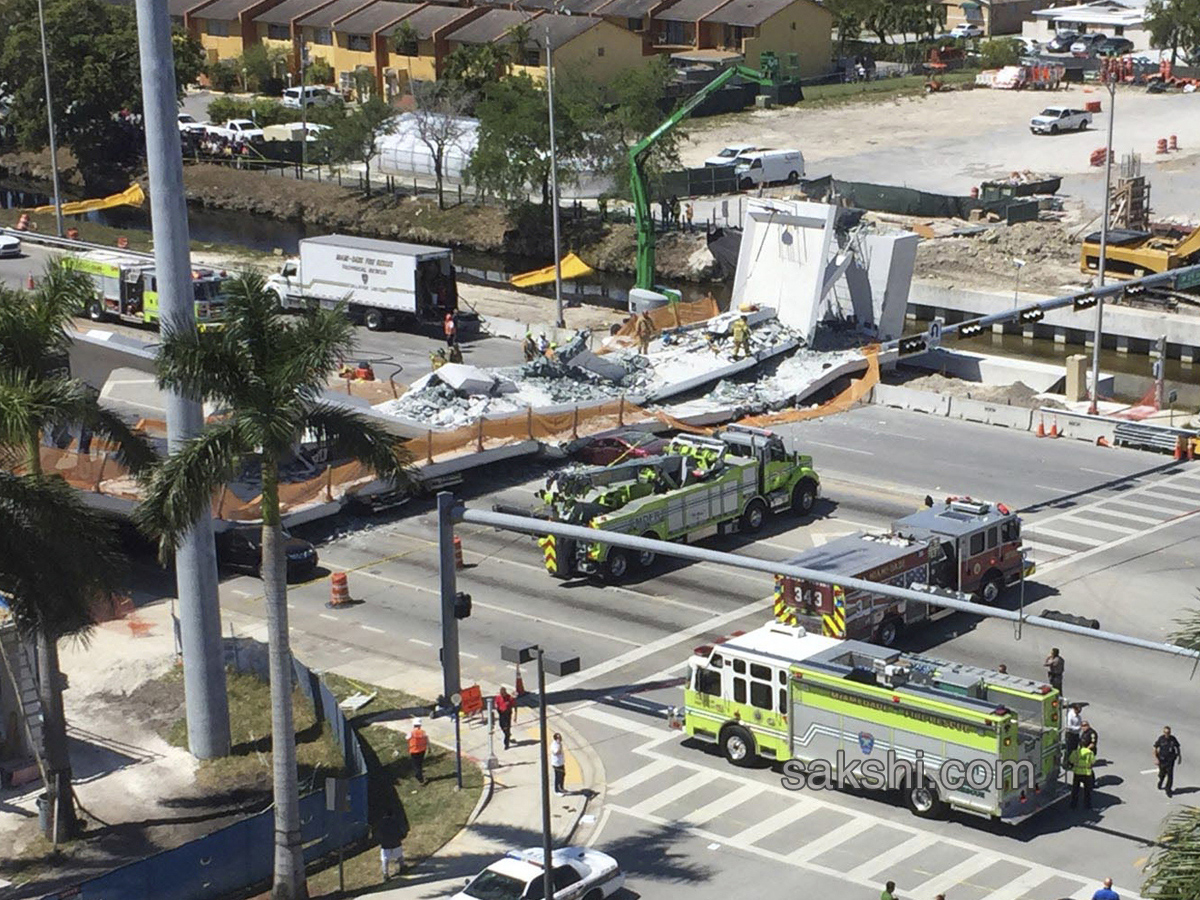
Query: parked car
{"x": 729, "y": 154}
{"x": 604, "y": 450}
{"x": 188, "y": 123}
{"x": 1087, "y": 44}
{"x": 1061, "y": 42}
{"x": 314, "y": 95}
{"x": 1114, "y": 46}
{"x": 9, "y": 245}
{"x": 577, "y": 872}
{"x": 769, "y": 166}
{"x": 1054, "y": 119}
{"x": 240, "y": 549}
{"x": 966, "y": 30}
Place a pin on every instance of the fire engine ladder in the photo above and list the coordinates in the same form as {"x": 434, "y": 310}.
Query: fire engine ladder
{"x": 22, "y": 678}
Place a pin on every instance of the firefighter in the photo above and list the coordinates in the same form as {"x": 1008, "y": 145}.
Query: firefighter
{"x": 529, "y": 347}
{"x": 645, "y": 333}
{"x": 741, "y": 337}
{"x": 437, "y": 360}
{"x": 455, "y": 354}
{"x": 1082, "y": 759}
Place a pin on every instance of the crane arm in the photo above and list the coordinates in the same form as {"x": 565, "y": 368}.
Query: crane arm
{"x": 640, "y": 190}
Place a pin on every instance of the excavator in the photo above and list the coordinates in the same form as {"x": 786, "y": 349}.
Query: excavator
{"x": 768, "y": 77}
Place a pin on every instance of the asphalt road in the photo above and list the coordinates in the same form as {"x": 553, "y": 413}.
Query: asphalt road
{"x": 1109, "y": 528}
{"x": 385, "y": 349}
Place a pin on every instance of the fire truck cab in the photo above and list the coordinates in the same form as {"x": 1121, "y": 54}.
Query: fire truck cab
{"x": 981, "y": 543}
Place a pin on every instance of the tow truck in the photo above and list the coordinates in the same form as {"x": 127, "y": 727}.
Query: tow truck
{"x": 700, "y": 486}
{"x": 127, "y": 289}
{"x": 988, "y": 742}
{"x": 962, "y": 544}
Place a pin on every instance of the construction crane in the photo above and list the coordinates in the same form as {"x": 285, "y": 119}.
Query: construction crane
{"x": 637, "y": 158}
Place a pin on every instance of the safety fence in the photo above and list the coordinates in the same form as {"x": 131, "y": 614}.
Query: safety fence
{"x": 233, "y": 858}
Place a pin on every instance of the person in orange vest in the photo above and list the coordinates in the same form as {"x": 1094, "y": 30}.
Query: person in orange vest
{"x": 418, "y": 743}
{"x": 450, "y": 328}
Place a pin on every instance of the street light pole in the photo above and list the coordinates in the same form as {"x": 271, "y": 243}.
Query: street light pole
{"x": 1111, "y": 83}
{"x": 558, "y": 303}
{"x": 58, "y": 215}
{"x": 303, "y": 108}
{"x": 547, "y": 850}
{"x": 1019, "y": 264}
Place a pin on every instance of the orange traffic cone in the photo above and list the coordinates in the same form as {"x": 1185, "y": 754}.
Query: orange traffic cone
{"x": 1041, "y": 429}
{"x": 1179, "y": 448}
{"x": 458, "y": 557}
{"x": 339, "y": 590}
{"x": 1102, "y": 441}
{"x": 1054, "y": 428}
{"x": 520, "y": 687}
{"x": 29, "y": 281}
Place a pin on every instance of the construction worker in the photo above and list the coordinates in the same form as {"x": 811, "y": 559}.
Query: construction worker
{"x": 1082, "y": 759}
{"x": 645, "y": 333}
{"x": 552, "y": 350}
{"x": 438, "y": 359}
{"x": 741, "y": 337}
{"x": 455, "y": 354}
{"x": 529, "y": 347}
{"x": 418, "y": 743}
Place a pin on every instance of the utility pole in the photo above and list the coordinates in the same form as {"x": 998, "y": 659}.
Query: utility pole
{"x": 1111, "y": 83}
{"x": 547, "y": 846}
{"x": 1160, "y": 374}
{"x": 558, "y": 303}
{"x": 303, "y": 108}
{"x": 196, "y": 558}
{"x": 451, "y": 677}
{"x": 50, "y": 122}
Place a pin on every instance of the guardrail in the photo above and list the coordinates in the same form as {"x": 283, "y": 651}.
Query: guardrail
{"x": 62, "y": 243}
{"x": 1151, "y": 437}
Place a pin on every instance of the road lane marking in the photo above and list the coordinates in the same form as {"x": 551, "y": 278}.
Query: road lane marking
{"x": 955, "y": 875}
{"x": 1046, "y": 548}
{"x": 633, "y": 779}
{"x": 1148, "y": 507}
{"x": 884, "y": 861}
{"x": 721, "y": 805}
{"x": 676, "y": 791}
{"x": 843, "y": 834}
{"x": 1092, "y": 523}
{"x": 839, "y": 447}
{"x": 798, "y": 810}
{"x": 1067, "y": 536}
{"x": 1102, "y": 472}
{"x": 1023, "y": 884}
{"x": 1121, "y": 514}
{"x": 1079, "y": 557}
{"x": 599, "y": 716}
{"x": 329, "y": 617}
{"x": 419, "y": 641}
{"x": 373, "y": 628}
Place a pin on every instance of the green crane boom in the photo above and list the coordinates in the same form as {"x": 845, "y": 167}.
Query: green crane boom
{"x": 637, "y": 159}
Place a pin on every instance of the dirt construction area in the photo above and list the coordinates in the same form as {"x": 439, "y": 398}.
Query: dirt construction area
{"x": 949, "y": 142}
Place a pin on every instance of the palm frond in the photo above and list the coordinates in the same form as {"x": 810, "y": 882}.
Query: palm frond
{"x": 1187, "y": 634}
{"x": 180, "y": 489}
{"x": 61, "y": 293}
{"x": 202, "y": 366}
{"x": 311, "y": 349}
{"x": 1173, "y": 872}
{"x": 352, "y": 435}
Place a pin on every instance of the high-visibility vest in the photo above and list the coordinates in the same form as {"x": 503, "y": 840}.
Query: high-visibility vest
{"x": 1081, "y": 761}
{"x": 417, "y": 742}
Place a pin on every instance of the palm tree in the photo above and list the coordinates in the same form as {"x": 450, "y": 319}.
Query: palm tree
{"x": 37, "y": 394}
{"x": 265, "y": 376}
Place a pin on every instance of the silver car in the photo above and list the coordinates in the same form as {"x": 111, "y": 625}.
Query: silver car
{"x": 9, "y": 245}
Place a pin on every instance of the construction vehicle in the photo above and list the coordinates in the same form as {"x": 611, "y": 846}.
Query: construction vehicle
{"x": 698, "y": 487}
{"x": 768, "y": 77}
{"x": 946, "y": 736}
{"x": 127, "y": 289}
{"x": 961, "y": 544}
{"x": 1132, "y": 254}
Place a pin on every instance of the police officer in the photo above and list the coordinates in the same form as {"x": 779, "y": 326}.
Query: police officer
{"x": 1081, "y": 760}
{"x": 1167, "y": 752}
{"x": 741, "y": 337}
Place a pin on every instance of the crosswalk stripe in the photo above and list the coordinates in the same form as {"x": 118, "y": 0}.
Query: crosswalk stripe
{"x": 1186, "y": 487}
{"x": 886, "y": 860}
{"x": 1045, "y": 548}
{"x": 831, "y": 839}
{"x": 1163, "y": 494}
{"x": 1148, "y": 507}
{"x": 942, "y": 882}
{"x": 802, "y": 807}
{"x": 1022, "y": 884}
{"x": 671, "y": 794}
{"x": 1073, "y": 538}
{"x": 645, "y": 773}
{"x": 722, "y": 805}
{"x": 645, "y": 729}
{"x": 1094, "y": 523}
{"x": 1115, "y": 513}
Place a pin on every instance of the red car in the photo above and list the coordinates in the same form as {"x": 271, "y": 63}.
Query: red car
{"x": 604, "y": 450}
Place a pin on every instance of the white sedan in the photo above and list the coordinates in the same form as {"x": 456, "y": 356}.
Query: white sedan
{"x": 9, "y": 245}
{"x": 579, "y": 874}
{"x": 966, "y": 30}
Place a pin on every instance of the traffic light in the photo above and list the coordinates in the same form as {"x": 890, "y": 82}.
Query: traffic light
{"x": 1032, "y": 315}
{"x": 1085, "y": 301}
{"x": 462, "y": 605}
{"x": 915, "y": 344}
{"x": 969, "y": 330}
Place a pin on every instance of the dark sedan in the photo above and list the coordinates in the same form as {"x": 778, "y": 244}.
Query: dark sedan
{"x": 1061, "y": 42}
{"x": 1114, "y": 46}
{"x": 604, "y": 450}
{"x": 240, "y": 549}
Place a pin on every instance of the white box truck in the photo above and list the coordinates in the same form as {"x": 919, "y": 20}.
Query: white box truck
{"x": 382, "y": 283}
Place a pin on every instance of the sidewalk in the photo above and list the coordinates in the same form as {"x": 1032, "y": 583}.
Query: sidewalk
{"x": 509, "y": 813}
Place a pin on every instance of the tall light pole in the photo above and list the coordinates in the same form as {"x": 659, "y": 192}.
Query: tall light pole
{"x": 50, "y": 122}
{"x": 558, "y": 303}
{"x": 303, "y": 106}
{"x": 560, "y": 667}
{"x": 196, "y": 559}
{"x": 1110, "y": 82}
{"x": 1018, "y": 264}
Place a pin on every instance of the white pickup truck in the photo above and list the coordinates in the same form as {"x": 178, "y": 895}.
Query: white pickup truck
{"x": 237, "y": 129}
{"x": 1054, "y": 119}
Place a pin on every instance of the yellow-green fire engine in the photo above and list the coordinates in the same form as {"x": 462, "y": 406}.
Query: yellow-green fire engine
{"x": 127, "y": 289}
{"x": 988, "y": 743}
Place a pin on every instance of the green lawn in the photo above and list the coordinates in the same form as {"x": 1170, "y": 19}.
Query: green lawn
{"x": 823, "y": 95}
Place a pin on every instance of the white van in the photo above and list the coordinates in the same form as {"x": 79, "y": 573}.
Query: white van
{"x": 768, "y": 166}
{"x": 314, "y": 95}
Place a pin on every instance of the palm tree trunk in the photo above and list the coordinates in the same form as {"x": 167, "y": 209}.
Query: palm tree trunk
{"x": 60, "y": 824}
{"x": 289, "y": 882}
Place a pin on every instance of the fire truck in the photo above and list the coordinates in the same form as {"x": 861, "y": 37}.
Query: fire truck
{"x": 988, "y": 743}
{"x": 961, "y": 544}
{"x": 127, "y": 289}
{"x": 699, "y": 486}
